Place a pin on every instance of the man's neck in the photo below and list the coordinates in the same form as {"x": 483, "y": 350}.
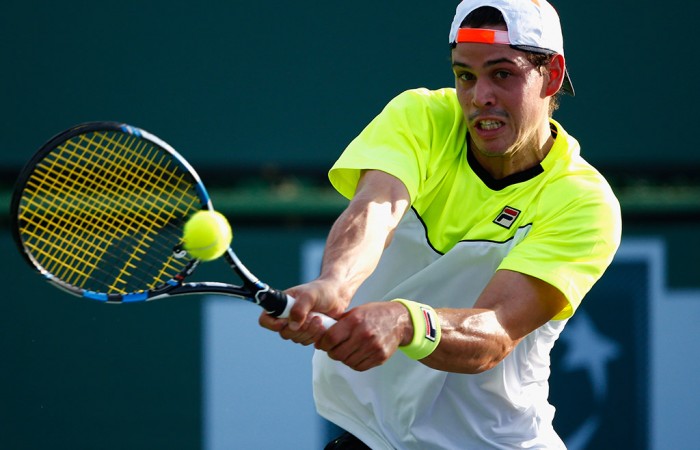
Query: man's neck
{"x": 519, "y": 160}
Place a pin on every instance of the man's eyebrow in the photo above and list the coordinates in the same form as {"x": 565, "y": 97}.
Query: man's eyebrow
{"x": 488, "y": 63}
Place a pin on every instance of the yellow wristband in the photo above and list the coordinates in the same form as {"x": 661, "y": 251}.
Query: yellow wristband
{"x": 426, "y": 329}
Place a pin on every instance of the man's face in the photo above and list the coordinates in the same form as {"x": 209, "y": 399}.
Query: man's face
{"x": 503, "y": 98}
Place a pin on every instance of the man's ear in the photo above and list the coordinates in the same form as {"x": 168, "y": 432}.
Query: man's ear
{"x": 556, "y": 69}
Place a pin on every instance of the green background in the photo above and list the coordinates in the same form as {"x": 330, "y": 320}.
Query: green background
{"x": 289, "y": 84}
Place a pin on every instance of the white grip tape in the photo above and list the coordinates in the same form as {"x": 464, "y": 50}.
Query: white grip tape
{"x": 325, "y": 320}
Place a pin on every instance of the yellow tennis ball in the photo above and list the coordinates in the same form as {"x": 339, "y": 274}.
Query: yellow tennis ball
{"x": 207, "y": 235}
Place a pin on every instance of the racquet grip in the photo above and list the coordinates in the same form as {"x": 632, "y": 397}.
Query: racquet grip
{"x": 327, "y": 321}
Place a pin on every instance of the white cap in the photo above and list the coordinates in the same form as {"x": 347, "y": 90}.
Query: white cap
{"x": 533, "y": 26}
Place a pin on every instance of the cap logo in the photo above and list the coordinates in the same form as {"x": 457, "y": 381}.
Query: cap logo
{"x": 482, "y": 36}
{"x": 507, "y": 217}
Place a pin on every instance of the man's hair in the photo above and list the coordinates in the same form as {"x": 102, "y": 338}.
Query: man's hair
{"x": 486, "y": 16}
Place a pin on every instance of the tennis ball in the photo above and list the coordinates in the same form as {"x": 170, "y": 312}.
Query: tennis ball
{"x": 207, "y": 235}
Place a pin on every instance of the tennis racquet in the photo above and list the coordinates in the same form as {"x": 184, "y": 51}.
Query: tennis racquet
{"x": 99, "y": 211}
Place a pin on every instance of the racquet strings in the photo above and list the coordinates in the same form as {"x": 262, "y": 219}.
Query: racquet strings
{"x": 104, "y": 211}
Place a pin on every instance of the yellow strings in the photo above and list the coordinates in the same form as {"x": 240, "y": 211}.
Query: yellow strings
{"x": 95, "y": 212}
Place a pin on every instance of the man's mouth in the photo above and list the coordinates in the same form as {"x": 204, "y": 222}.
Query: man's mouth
{"x": 489, "y": 124}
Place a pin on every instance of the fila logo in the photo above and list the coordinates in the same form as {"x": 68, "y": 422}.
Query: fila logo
{"x": 430, "y": 321}
{"x": 507, "y": 217}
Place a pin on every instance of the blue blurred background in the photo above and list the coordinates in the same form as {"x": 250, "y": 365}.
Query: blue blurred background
{"x": 262, "y": 97}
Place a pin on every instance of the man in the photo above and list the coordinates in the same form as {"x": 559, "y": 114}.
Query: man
{"x": 474, "y": 231}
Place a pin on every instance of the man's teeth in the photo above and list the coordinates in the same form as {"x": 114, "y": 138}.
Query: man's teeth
{"x": 489, "y": 124}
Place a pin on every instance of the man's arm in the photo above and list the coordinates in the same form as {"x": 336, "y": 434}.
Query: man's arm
{"x": 510, "y": 307}
{"x": 353, "y": 248}
{"x": 473, "y": 339}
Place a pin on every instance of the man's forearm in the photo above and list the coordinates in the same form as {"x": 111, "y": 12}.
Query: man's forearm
{"x": 358, "y": 237}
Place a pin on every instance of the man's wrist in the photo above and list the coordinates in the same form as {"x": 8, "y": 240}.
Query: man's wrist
{"x": 426, "y": 330}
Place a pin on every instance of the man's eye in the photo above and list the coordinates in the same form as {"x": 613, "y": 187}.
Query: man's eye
{"x": 502, "y": 74}
{"x": 465, "y": 76}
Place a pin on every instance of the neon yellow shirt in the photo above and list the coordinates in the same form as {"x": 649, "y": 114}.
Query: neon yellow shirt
{"x": 559, "y": 222}
{"x": 575, "y": 221}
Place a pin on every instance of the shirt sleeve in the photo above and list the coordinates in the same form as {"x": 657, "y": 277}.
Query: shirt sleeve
{"x": 571, "y": 246}
{"x": 397, "y": 142}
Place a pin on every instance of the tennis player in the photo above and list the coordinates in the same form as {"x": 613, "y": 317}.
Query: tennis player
{"x": 475, "y": 228}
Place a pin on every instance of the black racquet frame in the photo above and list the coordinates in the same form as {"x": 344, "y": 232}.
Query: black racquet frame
{"x": 99, "y": 211}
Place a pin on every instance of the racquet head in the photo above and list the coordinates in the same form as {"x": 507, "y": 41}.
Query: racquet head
{"x": 99, "y": 211}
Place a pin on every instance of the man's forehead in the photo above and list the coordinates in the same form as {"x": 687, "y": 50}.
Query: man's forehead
{"x": 484, "y": 55}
